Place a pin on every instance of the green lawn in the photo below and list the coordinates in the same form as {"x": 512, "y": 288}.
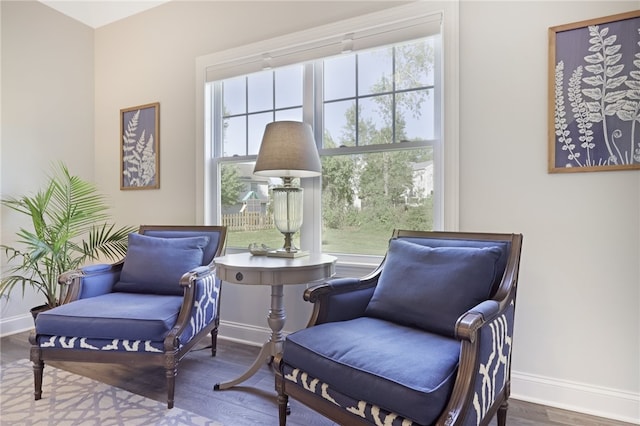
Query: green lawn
{"x": 346, "y": 240}
{"x": 356, "y": 241}
{"x": 270, "y": 237}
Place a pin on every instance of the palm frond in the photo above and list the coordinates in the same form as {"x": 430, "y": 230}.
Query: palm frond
{"x": 103, "y": 240}
{"x": 69, "y": 219}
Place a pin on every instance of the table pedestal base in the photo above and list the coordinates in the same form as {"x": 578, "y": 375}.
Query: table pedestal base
{"x": 271, "y": 348}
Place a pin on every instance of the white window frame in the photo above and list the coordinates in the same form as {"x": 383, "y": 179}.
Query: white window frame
{"x": 391, "y": 25}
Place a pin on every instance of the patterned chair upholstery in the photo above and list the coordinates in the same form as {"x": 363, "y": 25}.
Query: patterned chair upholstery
{"x": 149, "y": 309}
{"x": 425, "y": 339}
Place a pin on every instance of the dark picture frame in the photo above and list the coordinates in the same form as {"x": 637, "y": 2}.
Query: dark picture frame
{"x": 140, "y": 147}
{"x": 594, "y": 95}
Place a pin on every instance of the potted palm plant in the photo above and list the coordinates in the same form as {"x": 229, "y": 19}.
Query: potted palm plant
{"x": 69, "y": 228}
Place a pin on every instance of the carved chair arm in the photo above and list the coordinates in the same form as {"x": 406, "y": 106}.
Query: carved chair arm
{"x": 70, "y": 283}
{"x": 470, "y": 322}
{"x": 67, "y": 278}
{"x": 201, "y": 271}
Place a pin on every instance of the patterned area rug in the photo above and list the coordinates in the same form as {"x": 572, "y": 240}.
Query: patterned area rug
{"x": 76, "y": 400}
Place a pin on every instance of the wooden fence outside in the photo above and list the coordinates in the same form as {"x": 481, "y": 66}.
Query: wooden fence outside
{"x": 247, "y": 221}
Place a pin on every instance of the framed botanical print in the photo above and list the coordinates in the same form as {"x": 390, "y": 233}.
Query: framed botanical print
{"x": 594, "y": 94}
{"x": 139, "y": 147}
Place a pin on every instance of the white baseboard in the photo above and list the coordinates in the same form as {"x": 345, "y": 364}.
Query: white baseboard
{"x": 583, "y": 398}
{"x": 243, "y": 333}
{"x": 15, "y": 324}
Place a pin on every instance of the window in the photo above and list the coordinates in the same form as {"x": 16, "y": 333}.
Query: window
{"x": 378, "y": 107}
{"x": 377, "y": 112}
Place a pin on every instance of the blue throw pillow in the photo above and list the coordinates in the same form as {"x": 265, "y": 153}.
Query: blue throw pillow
{"x": 430, "y": 288}
{"x": 155, "y": 265}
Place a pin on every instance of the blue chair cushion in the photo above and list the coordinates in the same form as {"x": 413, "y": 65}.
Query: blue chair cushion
{"x": 504, "y": 247}
{"x": 155, "y": 265}
{"x": 210, "y": 249}
{"x": 367, "y": 359}
{"x": 430, "y": 288}
{"x": 129, "y": 316}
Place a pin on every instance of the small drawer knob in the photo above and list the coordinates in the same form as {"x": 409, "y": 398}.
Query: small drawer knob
{"x": 239, "y": 276}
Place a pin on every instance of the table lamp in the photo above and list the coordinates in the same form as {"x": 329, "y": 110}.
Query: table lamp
{"x": 288, "y": 151}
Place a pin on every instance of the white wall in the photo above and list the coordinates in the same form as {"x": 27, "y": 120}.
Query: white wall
{"x": 577, "y": 318}
{"x": 47, "y": 115}
{"x": 577, "y": 330}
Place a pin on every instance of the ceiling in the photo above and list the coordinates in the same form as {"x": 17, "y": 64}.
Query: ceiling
{"x": 96, "y": 13}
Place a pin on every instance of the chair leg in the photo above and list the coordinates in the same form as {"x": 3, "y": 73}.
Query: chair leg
{"x": 214, "y": 341}
{"x": 171, "y": 373}
{"x": 502, "y": 414}
{"x": 38, "y": 370}
{"x": 283, "y": 408}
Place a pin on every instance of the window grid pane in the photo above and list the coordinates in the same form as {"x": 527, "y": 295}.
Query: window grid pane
{"x": 249, "y": 104}
{"x": 260, "y": 92}
{"x": 405, "y": 68}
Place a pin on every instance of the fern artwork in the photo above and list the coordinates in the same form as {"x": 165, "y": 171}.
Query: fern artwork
{"x": 594, "y": 94}
{"x": 139, "y": 132}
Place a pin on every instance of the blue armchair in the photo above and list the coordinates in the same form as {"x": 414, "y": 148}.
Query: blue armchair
{"x": 149, "y": 309}
{"x": 425, "y": 339}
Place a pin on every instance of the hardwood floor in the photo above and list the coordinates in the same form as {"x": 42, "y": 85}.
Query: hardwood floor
{"x": 253, "y": 402}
